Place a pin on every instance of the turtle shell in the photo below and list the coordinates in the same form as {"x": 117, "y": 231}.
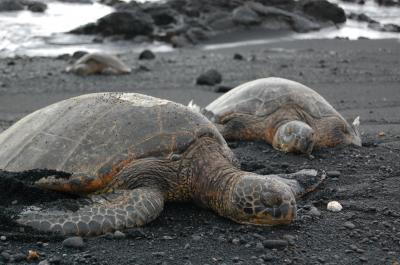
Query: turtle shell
{"x": 263, "y": 97}
{"x": 93, "y": 133}
{"x": 105, "y": 59}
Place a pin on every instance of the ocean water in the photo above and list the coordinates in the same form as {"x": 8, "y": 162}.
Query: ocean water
{"x": 43, "y": 34}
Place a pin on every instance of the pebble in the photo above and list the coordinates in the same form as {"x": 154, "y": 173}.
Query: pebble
{"x": 334, "y": 206}
{"x": 73, "y": 242}
{"x": 236, "y": 241}
{"x": 333, "y": 174}
{"x": 147, "y": 55}
{"x": 290, "y": 239}
{"x": 259, "y": 245}
{"x": 277, "y": 243}
{"x": 349, "y": 225}
{"x": 3, "y": 238}
{"x": 119, "y": 235}
{"x": 209, "y": 78}
{"x": 167, "y": 237}
{"x": 196, "y": 237}
{"x": 158, "y": 254}
{"x": 44, "y": 262}
{"x": 314, "y": 211}
{"x": 238, "y": 56}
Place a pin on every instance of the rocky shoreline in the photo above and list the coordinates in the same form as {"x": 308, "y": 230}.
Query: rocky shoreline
{"x": 188, "y": 22}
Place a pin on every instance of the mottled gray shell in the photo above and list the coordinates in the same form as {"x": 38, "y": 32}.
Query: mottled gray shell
{"x": 105, "y": 59}
{"x": 262, "y": 97}
{"x": 94, "y": 132}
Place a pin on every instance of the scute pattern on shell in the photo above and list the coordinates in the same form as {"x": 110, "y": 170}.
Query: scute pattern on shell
{"x": 92, "y": 133}
{"x": 264, "y": 96}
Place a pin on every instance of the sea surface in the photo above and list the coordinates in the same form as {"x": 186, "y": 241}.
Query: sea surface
{"x": 24, "y": 33}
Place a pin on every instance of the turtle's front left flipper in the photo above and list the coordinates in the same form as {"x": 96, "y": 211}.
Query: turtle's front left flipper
{"x": 303, "y": 181}
{"x": 114, "y": 211}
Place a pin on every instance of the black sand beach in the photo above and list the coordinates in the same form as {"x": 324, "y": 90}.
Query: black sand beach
{"x": 359, "y": 78}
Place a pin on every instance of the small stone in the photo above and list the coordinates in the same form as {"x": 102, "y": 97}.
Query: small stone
{"x": 333, "y": 174}
{"x": 44, "y": 262}
{"x": 3, "y": 238}
{"x": 167, "y": 237}
{"x": 236, "y": 241}
{"x": 158, "y": 254}
{"x": 73, "y": 242}
{"x": 314, "y": 211}
{"x": 238, "y": 56}
{"x": 79, "y": 54}
{"x": 209, "y": 78}
{"x": 119, "y": 235}
{"x": 334, "y": 206}
{"x": 365, "y": 259}
{"x": 278, "y": 244}
{"x": 147, "y": 55}
{"x": 290, "y": 239}
{"x": 349, "y": 225}
{"x": 187, "y": 246}
{"x": 259, "y": 245}
{"x": 196, "y": 237}
{"x": 5, "y": 255}
{"x": 14, "y": 202}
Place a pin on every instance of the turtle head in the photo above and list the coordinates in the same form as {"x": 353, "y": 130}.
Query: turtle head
{"x": 333, "y": 131}
{"x": 294, "y": 136}
{"x": 262, "y": 200}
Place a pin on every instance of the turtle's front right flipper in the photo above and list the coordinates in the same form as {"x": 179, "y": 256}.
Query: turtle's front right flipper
{"x": 114, "y": 211}
{"x": 303, "y": 181}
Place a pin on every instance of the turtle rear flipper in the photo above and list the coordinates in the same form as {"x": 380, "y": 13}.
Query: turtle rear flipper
{"x": 303, "y": 181}
{"x": 114, "y": 211}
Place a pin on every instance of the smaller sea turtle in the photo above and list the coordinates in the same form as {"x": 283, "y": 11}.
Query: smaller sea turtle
{"x": 137, "y": 152}
{"x": 284, "y": 113}
{"x": 98, "y": 63}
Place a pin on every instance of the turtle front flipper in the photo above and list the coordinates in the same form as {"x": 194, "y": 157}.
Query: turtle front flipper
{"x": 303, "y": 181}
{"x": 294, "y": 136}
{"x": 77, "y": 183}
{"x": 114, "y": 211}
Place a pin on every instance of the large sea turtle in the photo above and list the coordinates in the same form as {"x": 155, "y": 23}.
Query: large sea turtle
{"x": 284, "y": 113}
{"x": 140, "y": 151}
{"x": 98, "y": 63}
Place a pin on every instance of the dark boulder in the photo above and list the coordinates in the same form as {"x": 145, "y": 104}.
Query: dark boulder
{"x": 147, "y": 55}
{"x": 387, "y": 2}
{"x": 36, "y": 6}
{"x": 361, "y": 17}
{"x": 209, "y": 78}
{"x": 281, "y": 17}
{"x": 162, "y": 15}
{"x": 244, "y": 15}
{"x": 126, "y": 23}
{"x": 324, "y": 10}
{"x": 10, "y": 5}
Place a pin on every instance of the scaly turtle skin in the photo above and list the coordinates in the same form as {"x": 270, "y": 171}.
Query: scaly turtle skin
{"x": 139, "y": 152}
{"x": 286, "y": 114}
{"x": 98, "y": 63}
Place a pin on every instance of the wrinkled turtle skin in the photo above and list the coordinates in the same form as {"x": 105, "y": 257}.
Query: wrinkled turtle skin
{"x": 286, "y": 114}
{"x": 131, "y": 153}
{"x": 98, "y": 63}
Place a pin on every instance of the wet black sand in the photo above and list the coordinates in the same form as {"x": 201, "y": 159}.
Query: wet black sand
{"x": 356, "y": 77}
